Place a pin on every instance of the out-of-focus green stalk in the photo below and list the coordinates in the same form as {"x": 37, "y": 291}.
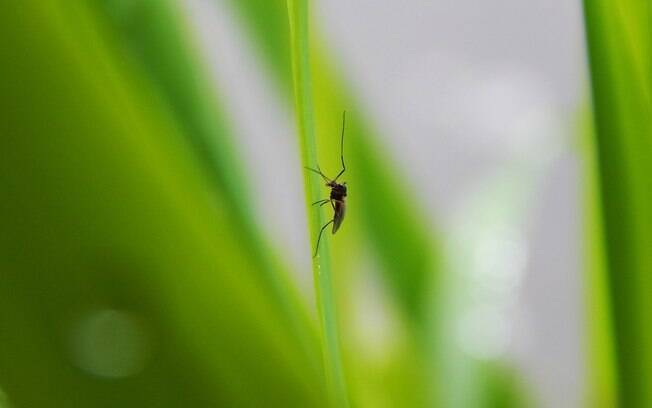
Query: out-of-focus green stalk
{"x": 619, "y": 51}
{"x": 298, "y": 11}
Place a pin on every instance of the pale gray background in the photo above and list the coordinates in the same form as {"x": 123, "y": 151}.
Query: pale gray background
{"x": 478, "y": 102}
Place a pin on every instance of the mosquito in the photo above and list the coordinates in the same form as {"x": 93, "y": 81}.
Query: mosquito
{"x": 338, "y": 192}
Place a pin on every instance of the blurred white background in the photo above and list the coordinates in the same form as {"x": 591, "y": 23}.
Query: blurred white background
{"x": 478, "y": 102}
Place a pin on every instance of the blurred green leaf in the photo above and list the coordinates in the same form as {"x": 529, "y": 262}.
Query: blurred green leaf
{"x": 619, "y": 51}
{"x": 104, "y": 208}
{"x": 151, "y": 33}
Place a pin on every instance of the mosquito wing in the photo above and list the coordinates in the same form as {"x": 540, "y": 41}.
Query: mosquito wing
{"x": 340, "y": 210}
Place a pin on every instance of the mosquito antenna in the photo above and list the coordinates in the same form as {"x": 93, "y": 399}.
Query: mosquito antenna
{"x": 342, "y": 146}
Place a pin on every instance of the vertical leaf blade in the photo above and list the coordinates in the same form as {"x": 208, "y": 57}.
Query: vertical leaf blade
{"x": 298, "y": 11}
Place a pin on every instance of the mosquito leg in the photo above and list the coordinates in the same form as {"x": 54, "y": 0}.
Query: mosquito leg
{"x": 321, "y": 202}
{"x": 319, "y": 237}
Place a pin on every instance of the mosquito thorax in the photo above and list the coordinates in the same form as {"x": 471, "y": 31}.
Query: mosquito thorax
{"x": 338, "y": 191}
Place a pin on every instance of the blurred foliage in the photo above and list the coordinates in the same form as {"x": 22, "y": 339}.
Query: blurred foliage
{"x": 619, "y": 44}
{"x": 128, "y": 227}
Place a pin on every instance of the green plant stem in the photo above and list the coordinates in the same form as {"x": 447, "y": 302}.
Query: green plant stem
{"x": 321, "y": 265}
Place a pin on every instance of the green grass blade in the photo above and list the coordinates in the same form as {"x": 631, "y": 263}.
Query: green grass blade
{"x": 299, "y": 44}
{"x": 619, "y": 51}
{"x": 104, "y": 206}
